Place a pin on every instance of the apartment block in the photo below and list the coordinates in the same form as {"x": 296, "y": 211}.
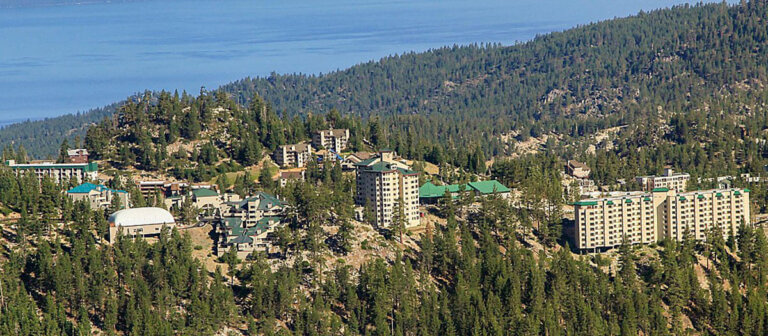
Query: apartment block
{"x": 671, "y": 180}
{"x": 248, "y": 224}
{"x": 382, "y": 182}
{"x": 643, "y": 218}
{"x": 332, "y": 139}
{"x": 297, "y": 155}
{"x": 79, "y": 172}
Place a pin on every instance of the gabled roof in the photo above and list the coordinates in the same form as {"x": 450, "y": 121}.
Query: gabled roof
{"x": 266, "y": 201}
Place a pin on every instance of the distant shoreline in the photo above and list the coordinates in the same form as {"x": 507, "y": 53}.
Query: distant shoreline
{"x": 9, "y": 122}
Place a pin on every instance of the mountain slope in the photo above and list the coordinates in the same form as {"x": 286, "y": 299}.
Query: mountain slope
{"x": 574, "y": 83}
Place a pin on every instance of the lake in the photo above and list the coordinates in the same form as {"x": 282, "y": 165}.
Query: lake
{"x": 63, "y": 59}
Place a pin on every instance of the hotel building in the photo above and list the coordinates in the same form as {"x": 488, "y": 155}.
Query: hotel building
{"x": 603, "y": 223}
{"x": 382, "y": 182}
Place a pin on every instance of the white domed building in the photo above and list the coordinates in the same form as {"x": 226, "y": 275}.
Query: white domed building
{"x": 143, "y": 222}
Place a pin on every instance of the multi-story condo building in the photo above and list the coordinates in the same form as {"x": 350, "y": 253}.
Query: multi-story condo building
{"x": 98, "y": 196}
{"x": 382, "y": 183}
{"x": 297, "y": 155}
{"x": 671, "y": 180}
{"x": 332, "y": 139}
{"x": 247, "y": 224}
{"x": 642, "y": 218}
{"x": 253, "y": 208}
{"x": 59, "y": 171}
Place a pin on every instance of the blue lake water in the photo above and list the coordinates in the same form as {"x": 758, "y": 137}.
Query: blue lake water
{"x": 63, "y": 59}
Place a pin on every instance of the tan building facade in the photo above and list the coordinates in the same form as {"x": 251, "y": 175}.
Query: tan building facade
{"x": 603, "y": 223}
{"x": 297, "y": 155}
{"x": 382, "y": 183}
{"x": 332, "y": 139}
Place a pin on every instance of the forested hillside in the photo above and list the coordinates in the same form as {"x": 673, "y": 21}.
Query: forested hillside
{"x": 41, "y": 138}
{"x": 686, "y": 85}
{"x": 626, "y": 71}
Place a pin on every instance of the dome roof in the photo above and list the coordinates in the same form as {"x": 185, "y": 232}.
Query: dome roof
{"x": 141, "y": 216}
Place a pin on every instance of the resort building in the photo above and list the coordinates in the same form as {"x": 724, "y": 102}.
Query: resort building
{"x": 642, "y": 218}
{"x": 145, "y": 222}
{"x": 430, "y": 193}
{"x": 98, "y": 196}
{"x": 59, "y": 172}
{"x": 297, "y": 155}
{"x": 247, "y": 224}
{"x": 382, "y": 183}
{"x": 251, "y": 209}
{"x": 332, "y": 139}
{"x": 671, "y": 180}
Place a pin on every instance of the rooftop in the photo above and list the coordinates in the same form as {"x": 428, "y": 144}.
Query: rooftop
{"x": 88, "y": 187}
{"x": 204, "y": 192}
{"x": 429, "y": 190}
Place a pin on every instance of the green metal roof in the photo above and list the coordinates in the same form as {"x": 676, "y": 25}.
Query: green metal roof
{"x": 585, "y": 203}
{"x": 660, "y": 190}
{"x": 700, "y": 197}
{"x": 241, "y": 240}
{"x": 647, "y": 199}
{"x": 737, "y": 193}
{"x": 628, "y": 201}
{"x": 719, "y": 195}
{"x": 746, "y": 190}
{"x": 407, "y": 171}
{"x": 429, "y": 190}
{"x": 266, "y": 201}
{"x": 366, "y": 161}
{"x": 609, "y": 202}
{"x": 489, "y": 187}
{"x": 682, "y": 198}
{"x": 204, "y": 192}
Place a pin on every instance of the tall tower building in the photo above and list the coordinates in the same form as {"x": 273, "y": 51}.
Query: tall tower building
{"x": 383, "y": 183}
